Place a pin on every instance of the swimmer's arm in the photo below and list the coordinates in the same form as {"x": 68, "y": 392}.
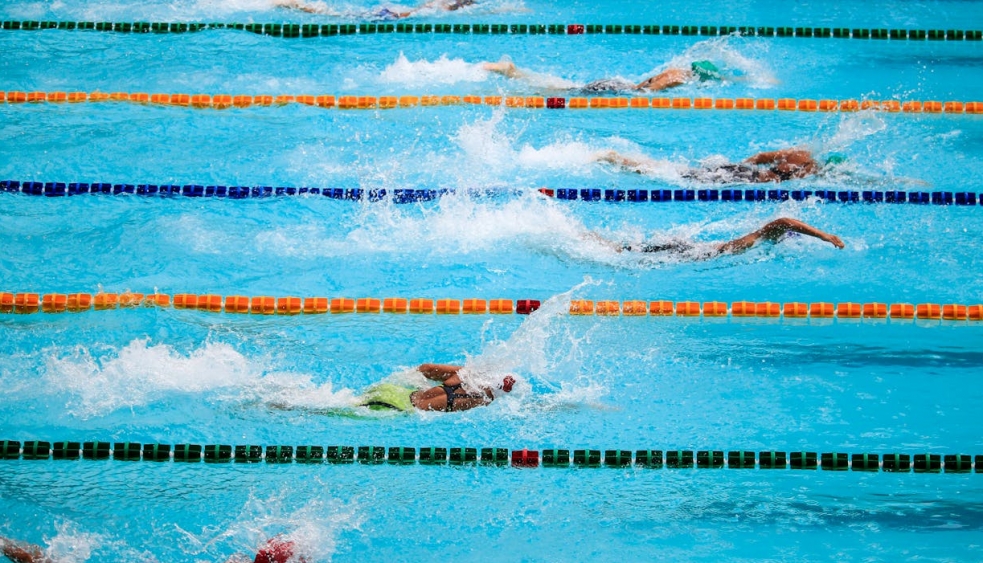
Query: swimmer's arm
{"x": 667, "y": 79}
{"x": 592, "y": 236}
{"x": 504, "y": 67}
{"x": 636, "y": 164}
{"x": 439, "y": 372}
{"x": 772, "y": 157}
{"x": 295, "y": 5}
{"x": 22, "y": 552}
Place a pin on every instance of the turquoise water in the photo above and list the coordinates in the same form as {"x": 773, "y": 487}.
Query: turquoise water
{"x": 172, "y": 376}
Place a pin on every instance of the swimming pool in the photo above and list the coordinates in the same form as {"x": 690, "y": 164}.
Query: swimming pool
{"x": 171, "y": 376}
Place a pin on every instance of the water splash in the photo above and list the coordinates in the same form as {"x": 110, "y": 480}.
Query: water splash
{"x": 728, "y": 53}
{"x": 424, "y": 72}
{"x": 313, "y": 527}
{"x": 140, "y": 373}
{"x": 70, "y": 545}
{"x": 541, "y": 352}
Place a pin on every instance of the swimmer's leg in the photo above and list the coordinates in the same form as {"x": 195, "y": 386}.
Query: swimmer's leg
{"x": 773, "y": 231}
{"x": 433, "y": 399}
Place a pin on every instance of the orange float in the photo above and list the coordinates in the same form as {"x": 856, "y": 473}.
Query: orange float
{"x": 289, "y": 306}
{"x": 581, "y": 307}
{"x": 262, "y": 305}
{"x": 661, "y": 308}
{"x": 448, "y": 306}
{"x": 236, "y": 304}
{"x": 342, "y": 305}
{"x": 394, "y": 305}
{"x": 634, "y": 309}
{"x": 474, "y": 307}
{"x": 78, "y": 302}
{"x": 500, "y": 306}
{"x": 874, "y": 311}
{"x": 714, "y": 309}
{"x": 54, "y": 303}
{"x": 795, "y": 310}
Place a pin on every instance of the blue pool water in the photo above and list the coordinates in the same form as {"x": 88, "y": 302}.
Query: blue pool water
{"x": 176, "y": 376}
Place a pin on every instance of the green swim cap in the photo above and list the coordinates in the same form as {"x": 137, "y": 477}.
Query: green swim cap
{"x": 705, "y": 70}
{"x": 834, "y": 159}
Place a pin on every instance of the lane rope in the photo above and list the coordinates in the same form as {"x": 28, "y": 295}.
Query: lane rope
{"x": 400, "y": 196}
{"x": 524, "y": 458}
{"x": 292, "y": 30}
{"x": 29, "y": 303}
{"x": 328, "y": 101}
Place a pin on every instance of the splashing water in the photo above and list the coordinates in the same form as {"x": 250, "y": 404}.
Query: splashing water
{"x": 726, "y": 53}
{"x": 69, "y": 545}
{"x": 538, "y": 352}
{"x": 141, "y": 373}
{"x": 423, "y": 72}
{"x": 313, "y": 528}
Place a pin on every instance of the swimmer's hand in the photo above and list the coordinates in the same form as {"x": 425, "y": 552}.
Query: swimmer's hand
{"x": 835, "y": 241}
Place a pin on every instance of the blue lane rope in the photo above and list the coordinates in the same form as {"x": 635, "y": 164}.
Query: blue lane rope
{"x": 674, "y": 459}
{"x": 291, "y": 30}
{"x": 61, "y": 189}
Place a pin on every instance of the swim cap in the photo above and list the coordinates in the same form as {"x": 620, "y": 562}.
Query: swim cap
{"x": 705, "y": 70}
{"x": 507, "y": 384}
{"x": 276, "y": 550}
{"x": 834, "y": 159}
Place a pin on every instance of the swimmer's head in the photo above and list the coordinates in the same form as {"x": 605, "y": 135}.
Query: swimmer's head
{"x": 507, "y": 383}
{"x": 705, "y": 70}
{"x": 276, "y": 550}
{"x": 834, "y": 159}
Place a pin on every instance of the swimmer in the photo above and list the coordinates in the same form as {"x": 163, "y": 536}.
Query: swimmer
{"x": 773, "y": 232}
{"x": 382, "y": 14}
{"x": 449, "y": 396}
{"x": 774, "y": 166}
{"x": 699, "y": 71}
{"x": 275, "y": 550}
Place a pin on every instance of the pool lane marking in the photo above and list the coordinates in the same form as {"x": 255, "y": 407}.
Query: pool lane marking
{"x": 293, "y": 30}
{"x": 524, "y": 458}
{"x": 28, "y": 303}
{"x": 400, "y": 196}
{"x": 227, "y": 101}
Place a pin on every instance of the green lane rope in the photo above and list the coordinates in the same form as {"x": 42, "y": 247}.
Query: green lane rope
{"x": 329, "y": 30}
{"x": 524, "y": 458}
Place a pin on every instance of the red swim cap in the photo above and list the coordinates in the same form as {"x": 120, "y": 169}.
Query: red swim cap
{"x": 276, "y": 550}
{"x": 507, "y": 383}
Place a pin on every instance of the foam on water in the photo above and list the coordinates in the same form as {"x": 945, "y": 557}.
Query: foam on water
{"x": 424, "y": 72}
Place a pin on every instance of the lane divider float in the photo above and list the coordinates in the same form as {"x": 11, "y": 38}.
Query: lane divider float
{"x": 524, "y": 458}
{"x": 292, "y": 30}
{"x": 68, "y": 189}
{"x": 28, "y": 303}
{"x": 226, "y": 101}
